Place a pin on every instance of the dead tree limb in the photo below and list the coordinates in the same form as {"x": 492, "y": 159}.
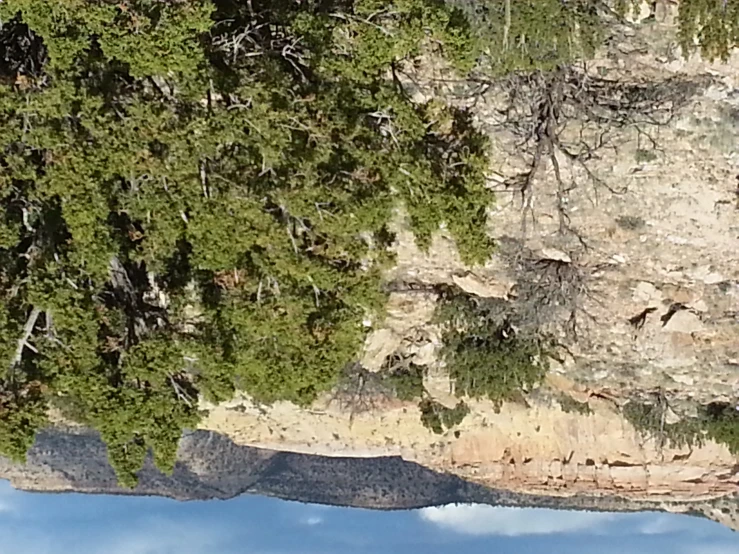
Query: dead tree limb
{"x": 569, "y": 114}
{"x": 550, "y": 294}
{"x": 23, "y": 341}
{"x": 179, "y": 391}
{"x": 359, "y": 391}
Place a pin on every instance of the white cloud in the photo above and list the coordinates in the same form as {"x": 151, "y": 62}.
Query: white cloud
{"x": 313, "y": 520}
{"x": 478, "y": 519}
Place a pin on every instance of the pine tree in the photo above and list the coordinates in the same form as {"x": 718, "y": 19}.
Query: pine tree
{"x": 710, "y": 26}
{"x": 197, "y": 198}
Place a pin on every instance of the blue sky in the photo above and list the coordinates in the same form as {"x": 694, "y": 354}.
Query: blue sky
{"x": 32, "y": 523}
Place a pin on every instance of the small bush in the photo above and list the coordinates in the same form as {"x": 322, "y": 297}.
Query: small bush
{"x": 722, "y": 425}
{"x": 483, "y": 353}
{"x": 649, "y": 420}
{"x": 642, "y": 156}
{"x": 549, "y": 293}
{"x": 570, "y": 405}
{"x": 630, "y": 222}
{"x": 438, "y": 418}
{"x": 359, "y": 390}
{"x": 406, "y": 383}
{"x": 717, "y": 421}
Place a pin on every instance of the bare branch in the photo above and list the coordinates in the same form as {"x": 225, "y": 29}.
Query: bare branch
{"x": 23, "y": 341}
{"x": 348, "y": 17}
{"x": 570, "y": 115}
{"x": 507, "y": 28}
{"x": 204, "y": 179}
{"x": 179, "y": 391}
{"x": 359, "y": 391}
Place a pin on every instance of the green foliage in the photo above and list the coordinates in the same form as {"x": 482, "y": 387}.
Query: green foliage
{"x": 716, "y": 421}
{"x": 379, "y": 34}
{"x": 623, "y": 7}
{"x": 197, "y": 196}
{"x": 630, "y": 222}
{"x": 710, "y": 26}
{"x": 570, "y": 405}
{"x": 721, "y": 422}
{"x": 529, "y": 35}
{"x": 484, "y": 355}
{"x": 150, "y": 37}
{"x": 141, "y": 403}
{"x": 648, "y": 419}
{"x": 438, "y": 418}
{"x": 22, "y": 413}
{"x": 188, "y": 211}
{"x": 9, "y": 332}
{"x": 542, "y": 35}
{"x": 645, "y": 156}
{"x": 126, "y": 458}
{"x": 406, "y": 383}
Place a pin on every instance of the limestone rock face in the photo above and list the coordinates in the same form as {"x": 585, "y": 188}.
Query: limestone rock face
{"x": 533, "y": 450}
{"x": 661, "y": 312}
{"x": 210, "y": 466}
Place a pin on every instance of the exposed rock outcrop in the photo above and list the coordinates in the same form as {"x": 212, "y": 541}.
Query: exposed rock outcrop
{"x": 212, "y": 467}
{"x": 658, "y": 237}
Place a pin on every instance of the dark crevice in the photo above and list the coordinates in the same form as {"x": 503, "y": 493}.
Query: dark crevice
{"x": 639, "y": 319}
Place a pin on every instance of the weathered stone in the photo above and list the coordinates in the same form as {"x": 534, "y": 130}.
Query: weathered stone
{"x": 684, "y": 321}
{"x": 472, "y": 284}
{"x": 554, "y": 254}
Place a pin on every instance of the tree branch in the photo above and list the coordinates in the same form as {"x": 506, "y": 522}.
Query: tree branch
{"x": 179, "y": 391}
{"x": 23, "y": 341}
{"x": 507, "y": 28}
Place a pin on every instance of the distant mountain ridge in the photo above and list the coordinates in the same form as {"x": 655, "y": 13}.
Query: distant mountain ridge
{"x": 211, "y": 466}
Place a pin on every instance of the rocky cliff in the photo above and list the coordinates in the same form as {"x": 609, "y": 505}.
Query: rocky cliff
{"x": 650, "y": 227}
{"x": 644, "y": 218}
{"x": 211, "y": 466}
